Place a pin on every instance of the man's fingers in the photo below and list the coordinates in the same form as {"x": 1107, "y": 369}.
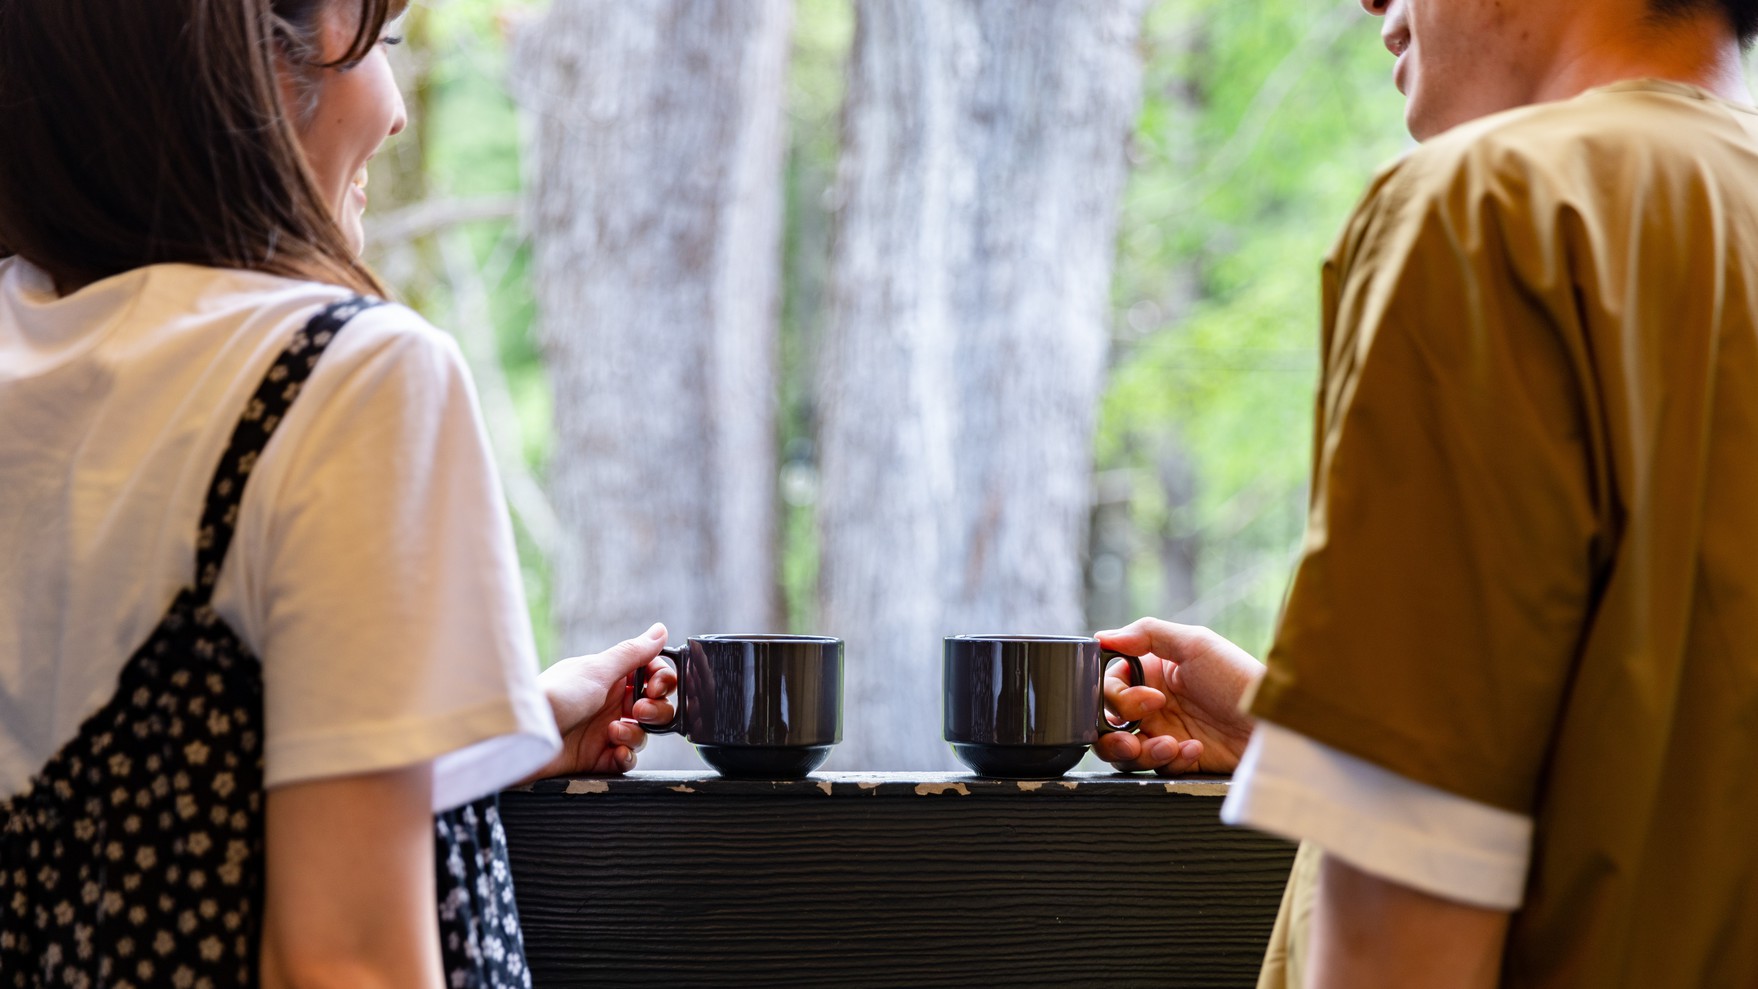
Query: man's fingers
{"x": 1159, "y": 753}
{"x": 1118, "y": 748}
{"x": 1132, "y": 639}
{"x": 1136, "y": 753}
{"x": 1184, "y": 761}
{"x": 1130, "y": 703}
{"x": 1167, "y": 640}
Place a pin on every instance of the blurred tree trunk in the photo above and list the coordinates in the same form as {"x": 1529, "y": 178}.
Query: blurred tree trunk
{"x": 983, "y": 161}
{"x": 656, "y": 203}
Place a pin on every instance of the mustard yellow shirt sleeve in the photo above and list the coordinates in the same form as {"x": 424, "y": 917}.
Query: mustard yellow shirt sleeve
{"x": 1448, "y": 568}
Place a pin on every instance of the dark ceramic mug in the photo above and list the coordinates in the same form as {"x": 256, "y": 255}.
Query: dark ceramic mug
{"x": 756, "y": 706}
{"x": 1027, "y": 706}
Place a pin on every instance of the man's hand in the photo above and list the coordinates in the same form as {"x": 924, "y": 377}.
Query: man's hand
{"x": 1189, "y": 704}
{"x": 587, "y": 695}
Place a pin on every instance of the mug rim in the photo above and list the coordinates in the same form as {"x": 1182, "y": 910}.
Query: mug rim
{"x": 1014, "y": 637}
{"x": 764, "y": 637}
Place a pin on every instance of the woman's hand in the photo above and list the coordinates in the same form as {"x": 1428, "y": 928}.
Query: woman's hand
{"x": 587, "y": 695}
{"x": 1189, "y": 704}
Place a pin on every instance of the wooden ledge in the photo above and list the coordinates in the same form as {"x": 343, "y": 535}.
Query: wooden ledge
{"x": 863, "y": 879}
{"x": 1105, "y": 786}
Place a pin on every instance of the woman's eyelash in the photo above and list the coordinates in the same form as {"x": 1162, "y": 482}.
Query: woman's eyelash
{"x": 392, "y": 39}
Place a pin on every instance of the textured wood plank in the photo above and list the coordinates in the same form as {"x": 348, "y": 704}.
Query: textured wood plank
{"x": 865, "y": 880}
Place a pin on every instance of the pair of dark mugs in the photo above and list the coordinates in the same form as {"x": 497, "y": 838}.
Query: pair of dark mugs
{"x": 770, "y": 706}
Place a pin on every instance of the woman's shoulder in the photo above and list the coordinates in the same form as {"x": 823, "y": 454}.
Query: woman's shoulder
{"x": 263, "y": 311}
{"x": 187, "y": 315}
{"x": 259, "y": 297}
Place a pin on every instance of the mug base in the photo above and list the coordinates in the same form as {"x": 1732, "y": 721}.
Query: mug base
{"x": 1019, "y": 762}
{"x": 763, "y": 762}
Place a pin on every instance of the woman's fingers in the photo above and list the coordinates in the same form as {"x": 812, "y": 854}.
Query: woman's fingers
{"x": 628, "y": 655}
{"x": 652, "y": 712}
{"x": 661, "y": 679}
{"x": 627, "y": 735}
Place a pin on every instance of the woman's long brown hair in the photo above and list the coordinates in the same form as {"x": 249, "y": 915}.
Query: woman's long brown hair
{"x": 151, "y": 131}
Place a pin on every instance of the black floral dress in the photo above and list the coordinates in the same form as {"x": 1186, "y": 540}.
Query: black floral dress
{"x": 135, "y": 857}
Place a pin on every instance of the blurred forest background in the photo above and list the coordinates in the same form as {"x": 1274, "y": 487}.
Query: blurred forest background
{"x": 1255, "y": 129}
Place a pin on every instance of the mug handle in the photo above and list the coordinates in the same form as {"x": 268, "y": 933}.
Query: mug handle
{"x": 1139, "y": 675}
{"x": 635, "y": 687}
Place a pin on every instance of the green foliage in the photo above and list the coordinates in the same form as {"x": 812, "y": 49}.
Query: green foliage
{"x": 1260, "y": 126}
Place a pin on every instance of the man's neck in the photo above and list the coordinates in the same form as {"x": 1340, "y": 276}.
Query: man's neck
{"x": 1698, "y": 50}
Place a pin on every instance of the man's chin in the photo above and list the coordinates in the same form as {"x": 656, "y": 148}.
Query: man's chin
{"x": 1414, "y": 123}
{"x": 1420, "y": 118}
{"x": 1426, "y": 116}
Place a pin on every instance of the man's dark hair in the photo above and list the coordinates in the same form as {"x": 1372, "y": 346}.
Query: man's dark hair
{"x": 1743, "y": 13}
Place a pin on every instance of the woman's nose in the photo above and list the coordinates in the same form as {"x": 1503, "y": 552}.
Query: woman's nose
{"x": 401, "y": 119}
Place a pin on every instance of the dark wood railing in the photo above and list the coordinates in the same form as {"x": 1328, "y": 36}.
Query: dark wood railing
{"x": 678, "y": 879}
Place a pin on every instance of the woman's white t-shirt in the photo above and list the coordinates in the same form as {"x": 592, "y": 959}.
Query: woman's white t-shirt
{"x": 373, "y": 572}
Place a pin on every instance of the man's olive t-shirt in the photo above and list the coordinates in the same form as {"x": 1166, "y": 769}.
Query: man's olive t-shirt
{"x": 1531, "y": 569}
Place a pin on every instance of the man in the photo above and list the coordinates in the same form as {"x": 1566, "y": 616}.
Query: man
{"x": 1514, "y": 692}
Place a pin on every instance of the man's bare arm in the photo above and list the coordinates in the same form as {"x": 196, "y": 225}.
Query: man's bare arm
{"x": 1369, "y": 933}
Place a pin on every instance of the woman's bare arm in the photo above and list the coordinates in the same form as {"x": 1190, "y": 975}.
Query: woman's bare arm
{"x": 350, "y": 895}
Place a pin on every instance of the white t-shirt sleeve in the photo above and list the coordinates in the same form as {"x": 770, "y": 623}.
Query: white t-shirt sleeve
{"x": 378, "y": 580}
{"x": 1380, "y": 822}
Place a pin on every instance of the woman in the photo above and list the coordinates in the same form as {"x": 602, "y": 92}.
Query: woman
{"x": 260, "y": 613}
